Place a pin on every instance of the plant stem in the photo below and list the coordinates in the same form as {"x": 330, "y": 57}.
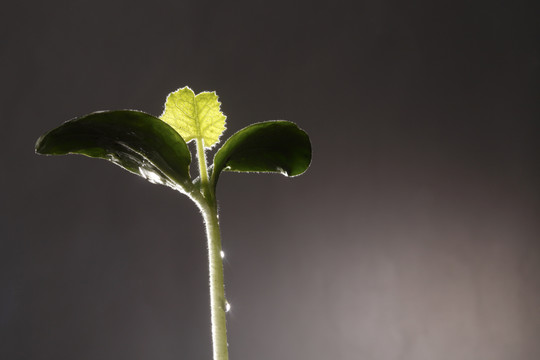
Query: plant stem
{"x": 217, "y": 289}
{"x": 203, "y": 172}
{"x": 218, "y": 303}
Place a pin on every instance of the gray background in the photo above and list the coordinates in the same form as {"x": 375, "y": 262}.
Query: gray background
{"x": 414, "y": 235}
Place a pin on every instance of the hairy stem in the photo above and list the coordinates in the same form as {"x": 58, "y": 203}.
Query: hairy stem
{"x": 218, "y": 303}
{"x": 203, "y": 171}
{"x": 217, "y": 291}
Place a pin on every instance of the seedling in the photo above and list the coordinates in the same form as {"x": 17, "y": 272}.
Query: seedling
{"x": 155, "y": 148}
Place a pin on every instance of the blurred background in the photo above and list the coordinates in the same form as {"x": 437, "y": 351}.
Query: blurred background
{"x": 415, "y": 234}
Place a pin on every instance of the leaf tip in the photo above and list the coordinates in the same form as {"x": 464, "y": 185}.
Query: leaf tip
{"x": 40, "y": 147}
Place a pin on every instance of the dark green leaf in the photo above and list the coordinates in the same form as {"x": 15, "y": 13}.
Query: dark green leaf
{"x": 271, "y": 146}
{"x": 136, "y": 141}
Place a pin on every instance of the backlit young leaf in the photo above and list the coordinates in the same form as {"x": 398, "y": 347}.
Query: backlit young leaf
{"x": 195, "y": 117}
{"x": 271, "y": 146}
{"x": 136, "y": 141}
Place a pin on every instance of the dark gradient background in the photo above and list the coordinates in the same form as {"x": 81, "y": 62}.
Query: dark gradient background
{"x": 415, "y": 234}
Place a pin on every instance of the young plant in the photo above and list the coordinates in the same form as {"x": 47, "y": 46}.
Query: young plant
{"x": 155, "y": 148}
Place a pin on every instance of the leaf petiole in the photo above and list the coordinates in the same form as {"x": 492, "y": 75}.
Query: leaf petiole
{"x": 203, "y": 170}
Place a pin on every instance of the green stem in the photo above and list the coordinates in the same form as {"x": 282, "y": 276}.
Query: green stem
{"x": 217, "y": 290}
{"x": 203, "y": 172}
{"x": 218, "y": 303}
